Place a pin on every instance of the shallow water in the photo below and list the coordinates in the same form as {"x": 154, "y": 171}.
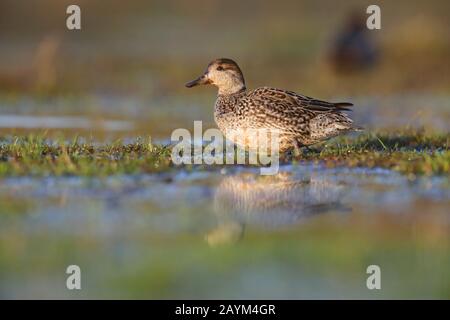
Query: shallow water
{"x": 61, "y": 122}
{"x": 308, "y": 232}
{"x": 123, "y": 116}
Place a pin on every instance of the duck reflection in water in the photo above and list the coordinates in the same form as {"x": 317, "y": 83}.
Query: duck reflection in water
{"x": 269, "y": 202}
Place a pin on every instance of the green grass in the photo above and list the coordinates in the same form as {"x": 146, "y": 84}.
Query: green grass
{"x": 33, "y": 155}
{"x": 408, "y": 152}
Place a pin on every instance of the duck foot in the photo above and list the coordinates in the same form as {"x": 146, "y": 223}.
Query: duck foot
{"x": 285, "y": 157}
{"x": 289, "y": 155}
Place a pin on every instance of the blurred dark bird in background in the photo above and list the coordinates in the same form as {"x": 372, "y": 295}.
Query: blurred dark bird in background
{"x": 354, "y": 48}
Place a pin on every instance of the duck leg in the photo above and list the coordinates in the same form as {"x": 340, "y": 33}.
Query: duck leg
{"x": 296, "y": 149}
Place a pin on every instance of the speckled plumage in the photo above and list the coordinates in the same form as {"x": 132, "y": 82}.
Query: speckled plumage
{"x": 299, "y": 120}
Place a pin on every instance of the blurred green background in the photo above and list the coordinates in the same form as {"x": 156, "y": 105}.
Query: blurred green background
{"x": 131, "y": 59}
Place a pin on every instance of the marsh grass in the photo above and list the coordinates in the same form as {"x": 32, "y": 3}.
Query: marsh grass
{"x": 34, "y": 155}
{"x": 409, "y": 152}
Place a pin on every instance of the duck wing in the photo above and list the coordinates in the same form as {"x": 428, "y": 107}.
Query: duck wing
{"x": 277, "y": 109}
{"x": 298, "y": 101}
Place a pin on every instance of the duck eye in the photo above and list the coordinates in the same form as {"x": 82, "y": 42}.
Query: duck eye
{"x": 219, "y": 68}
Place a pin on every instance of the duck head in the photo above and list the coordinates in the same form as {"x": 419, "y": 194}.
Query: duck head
{"x": 223, "y": 73}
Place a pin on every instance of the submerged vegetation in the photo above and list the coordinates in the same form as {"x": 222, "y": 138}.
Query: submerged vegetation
{"x": 409, "y": 152}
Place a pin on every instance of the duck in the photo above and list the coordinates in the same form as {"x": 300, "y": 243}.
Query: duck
{"x": 299, "y": 120}
{"x": 354, "y": 50}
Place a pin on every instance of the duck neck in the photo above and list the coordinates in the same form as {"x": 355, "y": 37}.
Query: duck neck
{"x": 226, "y": 91}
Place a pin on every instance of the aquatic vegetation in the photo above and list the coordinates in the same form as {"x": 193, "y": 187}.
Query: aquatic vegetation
{"x": 408, "y": 152}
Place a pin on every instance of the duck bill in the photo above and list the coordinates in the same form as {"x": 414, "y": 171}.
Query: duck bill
{"x": 203, "y": 79}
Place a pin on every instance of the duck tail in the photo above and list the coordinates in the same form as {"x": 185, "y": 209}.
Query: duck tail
{"x": 357, "y": 128}
{"x": 343, "y": 106}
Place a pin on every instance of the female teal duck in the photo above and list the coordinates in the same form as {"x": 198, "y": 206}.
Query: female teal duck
{"x": 299, "y": 120}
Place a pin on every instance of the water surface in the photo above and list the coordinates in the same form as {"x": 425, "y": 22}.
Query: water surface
{"x": 308, "y": 232}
